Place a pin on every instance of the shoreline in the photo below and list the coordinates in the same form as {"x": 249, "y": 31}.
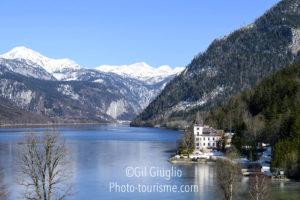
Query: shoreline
{"x": 28, "y": 125}
{"x": 189, "y": 161}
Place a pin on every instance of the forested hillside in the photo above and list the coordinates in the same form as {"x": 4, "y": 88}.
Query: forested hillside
{"x": 229, "y": 65}
{"x": 11, "y": 115}
{"x": 269, "y": 113}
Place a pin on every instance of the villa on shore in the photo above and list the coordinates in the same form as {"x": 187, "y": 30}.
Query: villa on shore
{"x": 207, "y": 137}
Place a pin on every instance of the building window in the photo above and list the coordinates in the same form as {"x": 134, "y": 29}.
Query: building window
{"x": 197, "y": 144}
{"x": 209, "y": 138}
{"x": 213, "y": 138}
{"x": 209, "y": 144}
{"x": 198, "y": 128}
{"x": 204, "y": 144}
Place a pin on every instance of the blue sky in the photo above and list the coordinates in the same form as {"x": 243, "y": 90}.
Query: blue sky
{"x": 96, "y": 32}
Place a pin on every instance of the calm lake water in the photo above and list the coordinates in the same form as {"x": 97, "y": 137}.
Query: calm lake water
{"x": 101, "y": 155}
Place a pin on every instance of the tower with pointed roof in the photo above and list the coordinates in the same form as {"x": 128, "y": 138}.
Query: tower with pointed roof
{"x": 199, "y": 120}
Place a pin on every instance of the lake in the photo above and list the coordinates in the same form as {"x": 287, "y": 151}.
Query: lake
{"x": 121, "y": 162}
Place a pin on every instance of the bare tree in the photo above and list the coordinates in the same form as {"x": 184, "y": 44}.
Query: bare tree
{"x": 259, "y": 187}
{"x": 3, "y": 188}
{"x": 187, "y": 143}
{"x": 44, "y": 168}
{"x": 221, "y": 144}
{"x": 228, "y": 175}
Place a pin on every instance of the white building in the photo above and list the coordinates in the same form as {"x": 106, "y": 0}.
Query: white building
{"x": 206, "y": 137}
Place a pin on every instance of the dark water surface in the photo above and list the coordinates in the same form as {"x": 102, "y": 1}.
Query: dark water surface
{"x": 101, "y": 155}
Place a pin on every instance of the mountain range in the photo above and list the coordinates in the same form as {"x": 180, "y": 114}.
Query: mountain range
{"x": 62, "y": 91}
{"x": 142, "y": 71}
{"x": 231, "y": 64}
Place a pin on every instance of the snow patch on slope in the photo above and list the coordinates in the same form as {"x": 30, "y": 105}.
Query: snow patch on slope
{"x": 26, "y": 68}
{"x": 68, "y": 91}
{"x": 295, "y": 45}
{"x": 185, "y": 105}
{"x": 99, "y": 80}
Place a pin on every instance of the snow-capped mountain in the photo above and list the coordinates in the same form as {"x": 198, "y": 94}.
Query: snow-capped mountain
{"x": 63, "y": 90}
{"x": 26, "y": 68}
{"x": 142, "y": 71}
{"x": 49, "y": 64}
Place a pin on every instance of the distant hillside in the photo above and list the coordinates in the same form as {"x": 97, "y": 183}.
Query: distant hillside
{"x": 269, "y": 113}
{"x": 228, "y": 66}
{"x": 10, "y": 114}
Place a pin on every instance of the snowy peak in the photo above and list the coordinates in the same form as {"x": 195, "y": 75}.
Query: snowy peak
{"x": 66, "y": 69}
{"x": 50, "y": 65}
{"x": 141, "y": 71}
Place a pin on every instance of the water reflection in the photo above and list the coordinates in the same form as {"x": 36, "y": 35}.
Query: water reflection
{"x": 205, "y": 179}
